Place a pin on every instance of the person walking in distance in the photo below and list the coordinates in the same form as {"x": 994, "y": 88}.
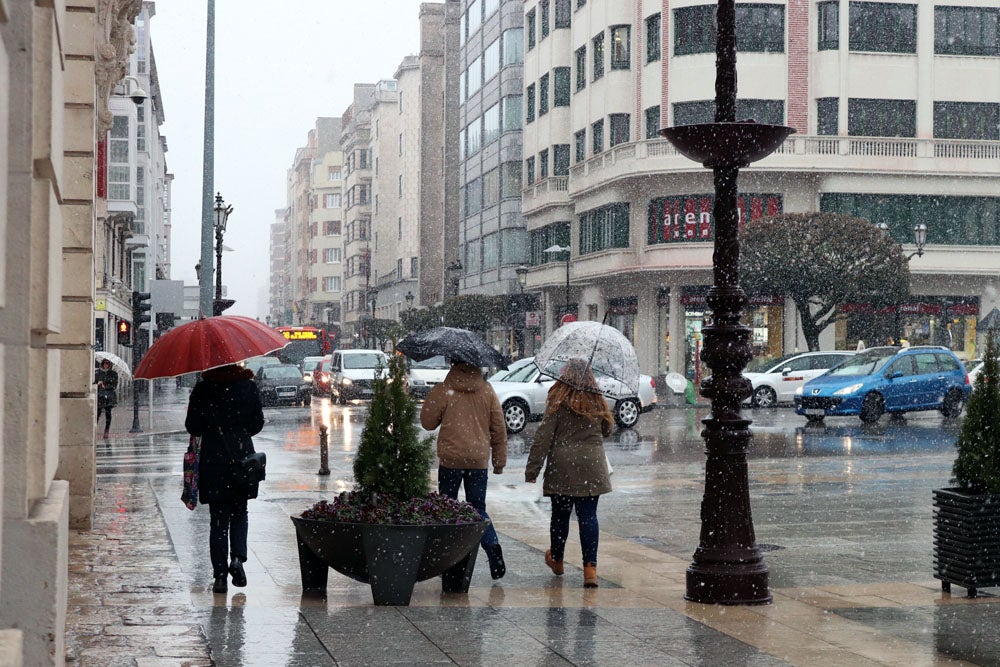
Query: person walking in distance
{"x": 106, "y": 380}
{"x": 472, "y": 432}
{"x": 569, "y": 442}
{"x": 225, "y": 410}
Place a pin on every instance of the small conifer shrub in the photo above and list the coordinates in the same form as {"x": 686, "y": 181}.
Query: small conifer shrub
{"x": 977, "y": 467}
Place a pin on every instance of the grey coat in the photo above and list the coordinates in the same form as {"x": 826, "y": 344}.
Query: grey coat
{"x": 572, "y": 448}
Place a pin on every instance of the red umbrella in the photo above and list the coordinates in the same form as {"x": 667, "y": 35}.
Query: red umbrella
{"x": 208, "y": 343}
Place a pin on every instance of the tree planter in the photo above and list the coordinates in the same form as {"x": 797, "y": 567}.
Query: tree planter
{"x": 391, "y": 558}
{"x": 966, "y": 539}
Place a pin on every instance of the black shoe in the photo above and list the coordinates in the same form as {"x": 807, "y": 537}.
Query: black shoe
{"x": 220, "y": 585}
{"x": 495, "y": 555}
{"x": 239, "y": 575}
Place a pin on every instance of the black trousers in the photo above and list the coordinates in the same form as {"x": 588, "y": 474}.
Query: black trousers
{"x": 228, "y": 533}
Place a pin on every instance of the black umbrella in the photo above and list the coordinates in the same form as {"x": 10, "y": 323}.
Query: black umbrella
{"x": 456, "y": 344}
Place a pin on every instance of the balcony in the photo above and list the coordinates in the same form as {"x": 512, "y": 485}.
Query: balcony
{"x": 859, "y": 155}
{"x": 551, "y": 191}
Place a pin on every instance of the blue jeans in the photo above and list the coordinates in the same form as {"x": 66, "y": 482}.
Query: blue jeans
{"x": 586, "y": 517}
{"x": 227, "y": 533}
{"x": 449, "y": 479}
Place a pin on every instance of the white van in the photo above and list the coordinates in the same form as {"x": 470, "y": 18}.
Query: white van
{"x": 352, "y": 372}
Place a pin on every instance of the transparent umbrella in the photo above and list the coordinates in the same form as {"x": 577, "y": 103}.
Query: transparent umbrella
{"x": 117, "y": 363}
{"x": 607, "y": 351}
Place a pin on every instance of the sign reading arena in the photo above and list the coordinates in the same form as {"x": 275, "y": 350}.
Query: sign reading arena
{"x": 689, "y": 217}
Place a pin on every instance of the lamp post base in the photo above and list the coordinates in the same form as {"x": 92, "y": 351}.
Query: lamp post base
{"x": 728, "y": 583}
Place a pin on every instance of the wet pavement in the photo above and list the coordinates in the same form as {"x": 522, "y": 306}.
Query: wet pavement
{"x": 842, "y": 511}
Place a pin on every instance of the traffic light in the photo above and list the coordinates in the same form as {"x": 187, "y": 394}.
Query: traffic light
{"x": 140, "y": 308}
{"x": 125, "y": 333}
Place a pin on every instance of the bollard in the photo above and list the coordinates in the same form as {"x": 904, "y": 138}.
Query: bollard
{"x": 324, "y": 452}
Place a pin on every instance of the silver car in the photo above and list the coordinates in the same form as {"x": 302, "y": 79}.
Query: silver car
{"x": 522, "y": 390}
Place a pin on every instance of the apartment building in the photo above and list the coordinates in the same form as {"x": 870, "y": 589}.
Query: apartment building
{"x": 279, "y": 280}
{"x": 897, "y": 112}
{"x": 326, "y": 240}
{"x": 388, "y": 139}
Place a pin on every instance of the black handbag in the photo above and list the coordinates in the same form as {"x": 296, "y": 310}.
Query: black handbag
{"x": 254, "y": 468}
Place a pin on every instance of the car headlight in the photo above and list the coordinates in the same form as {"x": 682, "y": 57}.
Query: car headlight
{"x": 850, "y": 389}
{"x": 307, "y": 378}
{"x": 346, "y": 381}
{"x": 798, "y": 391}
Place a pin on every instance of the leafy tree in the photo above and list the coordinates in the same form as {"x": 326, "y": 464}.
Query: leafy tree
{"x": 977, "y": 466}
{"x": 392, "y": 457}
{"x": 385, "y": 330}
{"x": 475, "y": 312}
{"x": 822, "y": 261}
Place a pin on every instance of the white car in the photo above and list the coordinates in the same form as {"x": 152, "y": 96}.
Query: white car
{"x": 423, "y": 375}
{"x": 522, "y": 391}
{"x": 308, "y": 365}
{"x": 780, "y": 379}
{"x": 352, "y": 372}
{"x": 974, "y": 367}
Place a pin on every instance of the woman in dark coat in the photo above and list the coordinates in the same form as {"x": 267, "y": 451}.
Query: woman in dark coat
{"x": 107, "y": 393}
{"x": 225, "y": 410}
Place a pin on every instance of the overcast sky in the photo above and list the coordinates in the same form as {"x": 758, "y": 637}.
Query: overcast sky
{"x": 278, "y": 66}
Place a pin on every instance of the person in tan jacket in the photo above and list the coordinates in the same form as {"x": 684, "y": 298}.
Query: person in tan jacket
{"x": 472, "y": 433}
{"x": 570, "y": 443}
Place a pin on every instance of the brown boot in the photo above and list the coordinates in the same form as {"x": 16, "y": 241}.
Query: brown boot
{"x": 590, "y": 575}
{"x": 555, "y": 565}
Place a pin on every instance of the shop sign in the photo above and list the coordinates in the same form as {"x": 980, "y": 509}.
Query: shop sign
{"x": 756, "y": 300}
{"x": 689, "y": 217}
{"x": 533, "y": 318}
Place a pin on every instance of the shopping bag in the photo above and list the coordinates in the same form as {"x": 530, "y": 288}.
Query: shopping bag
{"x": 190, "y": 494}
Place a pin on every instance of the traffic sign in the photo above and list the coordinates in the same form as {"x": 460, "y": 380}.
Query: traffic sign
{"x": 567, "y": 318}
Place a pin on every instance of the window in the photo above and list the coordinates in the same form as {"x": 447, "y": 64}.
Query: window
{"x": 882, "y": 27}
{"x": 510, "y": 180}
{"x": 653, "y": 38}
{"x": 331, "y": 284}
{"x": 333, "y": 173}
{"x": 619, "y": 128}
{"x": 829, "y": 25}
{"x": 414, "y": 264}
{"x": 510, "y": 115}
{"x": 514, "y": 247}
{"x": 563, "y": 13}
{"x": 597, "y": 137}
{"x": 474, "y": 137}
{"x": 581, "y": 68}
{"x": 759, "y": 27}
{"x": 491, "y": 187}
{"x": 555, "y": 234}
{"x": 653, "y": 122}
{"x": 967, "y": 120}
{"x": 513, "y": 46}
{"x": 331, "y": 228}
{"x": 473, "y": 253}
{"x": 530, "y": 114}
{"x": 491, "y": 254}
{"x": 400, "y": 185}
{"x": 491, "y": 60}
{"x": 560, "y": 160}
{"x": 475, "y": 72}
{"x": 399, "y": 229}
{"x": 621, "y": 47}
{"x": 703, "y": 111}
{"x": 490, "y": 8}
{"x": 331, "y": 255}
{"x": 604, "y": 227}
{"x": 529, "y": 170}
{"x": 529, "y": 20}
{"x": 543, "y": 18}
{"x": 119, "y": 174}
{"x": 560, "y": 83}
{"x": 473, "y": 196}
{"x": 598, "y": 43}
{"x": 331, "y": 200}
{"x": 881, "y": 118}
{"x": 543, "y": 164}
{"x": 491, "y": 124}
{"x": 475, "y": 16}
{"x": 580, "y": 3}
{"x": 543, "y": 95}
{"x": 399, "y": 268}
{"x": 827, "y": 110}
{"x": 966, "y": 31}
{"x": 580, "y": 145}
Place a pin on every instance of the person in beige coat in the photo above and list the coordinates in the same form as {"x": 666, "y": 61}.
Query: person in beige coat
{"x": 472, "y": 433}
{"x": 570, "y": 443}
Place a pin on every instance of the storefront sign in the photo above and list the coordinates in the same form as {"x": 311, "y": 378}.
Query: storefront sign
{"x": 689, "y": 218}
{"x": 533, "y": 318}
{"x": 757, "y": 300}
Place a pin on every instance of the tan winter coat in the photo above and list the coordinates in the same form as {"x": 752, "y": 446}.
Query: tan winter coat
{"x": 471, "y": 420}
{"x": 572, "y": 448}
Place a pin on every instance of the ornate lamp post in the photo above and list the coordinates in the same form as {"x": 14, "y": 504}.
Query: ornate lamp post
{"x": 727, "y": 567}
{"x": 566, "y": 249}
{"x": 522, "y": 280}
{"x": 221, "y": 217}
{"x": 409, "y": 300}
{"x": 919, "y": 240}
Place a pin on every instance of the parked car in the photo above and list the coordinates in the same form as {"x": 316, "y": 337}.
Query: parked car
{"x": 423, "y": 375}
{"x": 307, "y": 365}
{"x": 352, "y": 372}
{"x": 522, "y": 390}
{"x": 974, "y": 367}
{"x": 781, "y": 378}
{"x": 888, "y": 379}
{"x": 254, "y": 364}
{"x": 282, "y": 384}
{"x": 321, "y": 377}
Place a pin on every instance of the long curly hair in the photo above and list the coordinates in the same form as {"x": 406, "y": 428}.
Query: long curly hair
{"x": 577, "y": 389}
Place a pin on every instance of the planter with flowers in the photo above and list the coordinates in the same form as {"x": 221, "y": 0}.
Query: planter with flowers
{"x": 967, "y": 516}
{"x": 390, "y": 531}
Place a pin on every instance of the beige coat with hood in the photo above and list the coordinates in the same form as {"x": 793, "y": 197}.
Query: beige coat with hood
{"x": 471, "y": 420}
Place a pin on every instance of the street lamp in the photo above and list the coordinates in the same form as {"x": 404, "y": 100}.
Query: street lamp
{"x": 727, "y": 567}
{"x": 522, "y": 276}
{"x": 522, "y": 280}
{"x": 919, "y": 240}
{"x": 566, "y": 249}
{"x": 222, "y": 212}
{"x": 409, "y": 300}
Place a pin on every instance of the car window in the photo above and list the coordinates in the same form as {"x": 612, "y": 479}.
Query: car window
{"x": 824, "y": 361}
{"x": 865, "y": 363}
{"x": 513, "y": 369}
{"x": 926, "y": 362}
{"x": 905, "y": 366}
{"x": 525, "y": 373}
{"x": 765, "y": 364}
{"x": 364, "y": 360}
{"x": 946, "y": 362}
{"x": 434, "y": 363}
{"x": 800, "y": 364}
{"x": 281, "y": 372}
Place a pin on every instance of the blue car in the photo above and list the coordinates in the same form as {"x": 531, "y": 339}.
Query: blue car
{"x": 888, "y": 379}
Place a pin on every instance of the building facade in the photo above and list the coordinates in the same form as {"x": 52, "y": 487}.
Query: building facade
{"x": 326, "y": 240}
{"x": 900, "y": 130}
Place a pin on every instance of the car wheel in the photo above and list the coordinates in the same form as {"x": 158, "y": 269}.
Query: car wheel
{"x": 515, "y": 415}
{"x": 871, "y": 408}
{"x": 763, "y": 397}
{"x": 814, "y": 419}
{"x": 952, "y": 405}
{"x": 627, "y": 412}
